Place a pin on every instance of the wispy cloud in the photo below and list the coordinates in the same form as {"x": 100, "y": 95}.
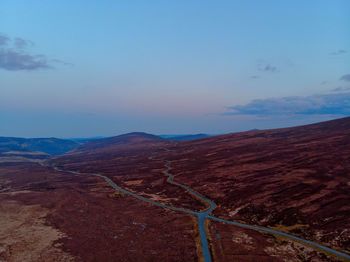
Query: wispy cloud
{"x": 13, "y": 60}
{"x": 267, "y": 67}
{"x": 21, "y": 43}
{"x": 3, "y": 40}
{"x": 62, "y": 62}
{"x": 345, "y": 78}
{"x": 338, "y": 52}
{"x": 327, "y": 104}
{"x": 341, "y": 89}
{"x": 15, "y": 56}
{"x": 254, "y": 77}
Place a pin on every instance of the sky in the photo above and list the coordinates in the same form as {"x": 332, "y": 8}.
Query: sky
{"x": 102, "y": 68}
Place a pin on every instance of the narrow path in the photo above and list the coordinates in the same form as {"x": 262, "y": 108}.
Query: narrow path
{"x": 205, "y": 214}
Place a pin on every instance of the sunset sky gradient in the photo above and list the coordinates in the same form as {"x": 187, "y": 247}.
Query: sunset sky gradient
{"x": 90, "y": 68}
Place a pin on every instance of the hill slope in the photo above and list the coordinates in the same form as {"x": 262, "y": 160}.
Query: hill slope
{"x": 296, "y": 179}
{"x": 110, "y": 143}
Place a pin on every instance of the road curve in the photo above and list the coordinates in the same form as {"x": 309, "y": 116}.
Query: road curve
{"x": 202, "y": 215}
{"x": 286, "y": 235}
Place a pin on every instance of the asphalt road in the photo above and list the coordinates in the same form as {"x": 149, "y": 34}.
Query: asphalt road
{"x": 205, "y": 214}
{"x": 201, "y": 215}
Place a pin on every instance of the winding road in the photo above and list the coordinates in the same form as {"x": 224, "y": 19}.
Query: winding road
{"x": 205, "y": 214}
{"x": 201, "y": 215}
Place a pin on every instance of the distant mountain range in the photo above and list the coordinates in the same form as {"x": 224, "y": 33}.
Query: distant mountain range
{"x": 186, "y": 137}
{"x": 55, "y": 146}
{"x": 51, "y": 146}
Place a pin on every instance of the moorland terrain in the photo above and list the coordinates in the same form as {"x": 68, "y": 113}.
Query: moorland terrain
{"x": 261, "y": 195}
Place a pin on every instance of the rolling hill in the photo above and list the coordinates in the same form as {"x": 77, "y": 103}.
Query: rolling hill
{"x": 293, "y": 180}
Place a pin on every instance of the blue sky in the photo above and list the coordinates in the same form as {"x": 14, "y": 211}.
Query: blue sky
{"x": 86, "y": 68}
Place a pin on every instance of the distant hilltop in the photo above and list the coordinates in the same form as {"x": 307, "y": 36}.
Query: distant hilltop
{"x": 188, "y": 137}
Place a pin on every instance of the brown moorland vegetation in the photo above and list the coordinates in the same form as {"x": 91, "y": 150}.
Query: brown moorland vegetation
{"x": 53, "y": 216}
{"x": 293, "y": 179}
